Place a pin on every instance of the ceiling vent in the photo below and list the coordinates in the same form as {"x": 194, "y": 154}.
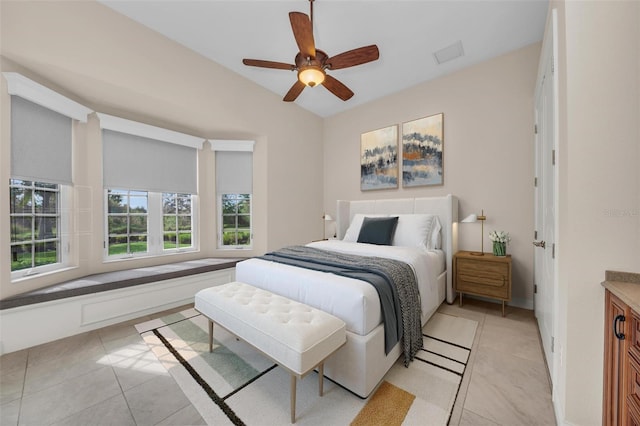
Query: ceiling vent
{"x": 449, "y": 53}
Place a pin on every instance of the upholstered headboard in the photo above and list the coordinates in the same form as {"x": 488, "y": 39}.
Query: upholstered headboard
{"x": 445, "y": 207}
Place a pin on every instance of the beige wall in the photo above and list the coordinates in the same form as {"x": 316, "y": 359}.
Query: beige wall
{"x": 488, "y": 151}
{"x": 599, "y": 210}
{"x": 107, "y": 62}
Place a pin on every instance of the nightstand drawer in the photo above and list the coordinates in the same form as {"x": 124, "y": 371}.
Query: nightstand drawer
{"x": 484, "y": 286}
{"x": 484, "y": 280}
{"x": 480, "y": 267}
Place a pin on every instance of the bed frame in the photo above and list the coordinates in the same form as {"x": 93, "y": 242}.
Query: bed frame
{"x": 361, "y": 363}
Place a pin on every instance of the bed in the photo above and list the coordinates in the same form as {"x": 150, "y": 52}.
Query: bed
{"x": 425, "y": 238}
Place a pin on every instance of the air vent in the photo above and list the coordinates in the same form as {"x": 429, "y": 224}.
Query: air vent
{"x": 449, "y": 53}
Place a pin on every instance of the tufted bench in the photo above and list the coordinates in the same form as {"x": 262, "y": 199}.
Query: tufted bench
{"x": 296, "y": 336}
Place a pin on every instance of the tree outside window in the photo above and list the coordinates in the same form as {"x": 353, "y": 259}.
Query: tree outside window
{"x": 127, "y": 221}
{"x": 177, "y": 221}
{"x": 35, "y": 224}
{"x": 236, "y": 220}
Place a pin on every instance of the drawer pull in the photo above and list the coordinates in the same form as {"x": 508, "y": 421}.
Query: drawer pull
{"x": 619, "y": 318}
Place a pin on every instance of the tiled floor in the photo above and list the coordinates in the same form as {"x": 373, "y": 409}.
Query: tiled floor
{"x": 507, "y": 376}
{"x": 108, "y": 376}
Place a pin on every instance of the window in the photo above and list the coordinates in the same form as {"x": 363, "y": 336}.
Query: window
{"x": 157, "y": 218}
{"x": 41, "y": 176}
{"x": 127, "y": 230}
{"x": 35, "y": 226}
{"x": 236, "y": 220}
{"x": 234, "y": 186}
{"x": 176, "y": 221}
{"x": 144, "y": 223}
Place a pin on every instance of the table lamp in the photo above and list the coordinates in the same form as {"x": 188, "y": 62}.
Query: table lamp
{"x": 473, "y": 218}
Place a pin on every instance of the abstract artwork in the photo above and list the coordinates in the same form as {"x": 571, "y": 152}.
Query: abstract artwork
{"x": 422, "y": 149}
{"x": 379, "y": 159}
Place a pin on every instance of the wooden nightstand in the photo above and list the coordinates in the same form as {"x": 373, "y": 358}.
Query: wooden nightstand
{"x": 486, "y": 275}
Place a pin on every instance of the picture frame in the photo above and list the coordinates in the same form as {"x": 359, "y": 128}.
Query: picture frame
{"x": 379, "y": 159}
{"x": 423, "y": 151}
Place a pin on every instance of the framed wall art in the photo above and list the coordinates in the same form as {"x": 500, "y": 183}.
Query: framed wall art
{"x": 379, "y": 159}
{"x": 422, "y": 151}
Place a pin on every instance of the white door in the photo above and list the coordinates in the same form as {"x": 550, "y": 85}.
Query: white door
{"x": 545, "y": 200}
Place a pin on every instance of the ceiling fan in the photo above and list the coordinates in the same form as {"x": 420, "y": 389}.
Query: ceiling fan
{"x": 312, "y": 63}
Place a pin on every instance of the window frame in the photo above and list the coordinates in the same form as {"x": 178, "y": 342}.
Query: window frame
{"x": 62, "y": 231}
{"x": 107, "y": 216}
{"x": 155, "y": 228}
{"x": 178, "y": 215}
{"x": 221, "y": 245}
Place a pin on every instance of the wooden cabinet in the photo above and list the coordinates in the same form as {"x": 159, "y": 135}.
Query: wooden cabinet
{"x": 485, "y": 275}
{"x": 621, "y": 393}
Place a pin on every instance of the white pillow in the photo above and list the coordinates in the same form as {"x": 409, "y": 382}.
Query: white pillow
{"x": 356, "y": 223}
{"x": 418, "y": 230}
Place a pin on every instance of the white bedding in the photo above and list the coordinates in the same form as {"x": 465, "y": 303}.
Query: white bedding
{"x": 354, "y": 301}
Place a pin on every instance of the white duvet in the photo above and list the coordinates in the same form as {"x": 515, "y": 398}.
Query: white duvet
{"x": 354, "y": 301}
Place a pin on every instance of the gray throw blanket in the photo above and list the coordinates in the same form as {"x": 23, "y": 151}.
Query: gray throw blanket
{"x": 394, "y": 281}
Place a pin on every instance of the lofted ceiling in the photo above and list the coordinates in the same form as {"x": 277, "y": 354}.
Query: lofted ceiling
{"x": 407, "y": 33}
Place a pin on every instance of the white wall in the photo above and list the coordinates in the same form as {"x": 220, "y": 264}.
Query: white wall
{"x": 107, "y": 62}
{"x": 599, "y": 211}
{"x": 488, "y": 151}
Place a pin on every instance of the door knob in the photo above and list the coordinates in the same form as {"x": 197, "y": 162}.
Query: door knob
{"x": 539, "y": 244}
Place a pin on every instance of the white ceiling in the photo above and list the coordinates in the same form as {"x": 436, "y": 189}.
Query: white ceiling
{"x": 407, "y": 34}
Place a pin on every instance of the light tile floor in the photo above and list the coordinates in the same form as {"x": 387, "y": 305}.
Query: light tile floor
{"x": 506, "y": 381}
{"x": 109, "y": 376}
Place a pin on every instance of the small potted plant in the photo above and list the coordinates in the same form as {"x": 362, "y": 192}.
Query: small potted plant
{"x": 500, "y": 240}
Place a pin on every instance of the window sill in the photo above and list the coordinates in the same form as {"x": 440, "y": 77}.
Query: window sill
{"x": 114, "y": 259}
{"x": 26, "y": 278}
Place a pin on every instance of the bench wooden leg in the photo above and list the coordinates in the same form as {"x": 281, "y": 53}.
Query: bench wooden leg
{"x": 210, "y": 336}
{"x": 293, "y": 398}
{"x": 320, "y": 378}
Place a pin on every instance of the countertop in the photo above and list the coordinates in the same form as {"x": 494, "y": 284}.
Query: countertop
{"x": 624, "y": 285}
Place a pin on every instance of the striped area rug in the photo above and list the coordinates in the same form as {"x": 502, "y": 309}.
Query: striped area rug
{"x": 235, "y": 384}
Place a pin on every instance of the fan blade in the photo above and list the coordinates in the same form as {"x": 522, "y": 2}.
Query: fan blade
{"x": 337, "y": 88}
{"x": 268, "y": 64}
{"x": 354, "y": 57}
{"x": 303, "y": 33}
{"x": 293, "y": 93}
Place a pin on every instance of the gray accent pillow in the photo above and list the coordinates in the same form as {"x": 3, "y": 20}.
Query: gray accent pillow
{"x": 378, "y": 230}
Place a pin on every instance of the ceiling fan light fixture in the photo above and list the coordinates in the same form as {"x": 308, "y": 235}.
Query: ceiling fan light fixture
{"x": 311, "y": 76}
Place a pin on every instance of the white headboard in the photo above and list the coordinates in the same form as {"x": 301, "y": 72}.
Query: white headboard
{"x": 445, "y": 207}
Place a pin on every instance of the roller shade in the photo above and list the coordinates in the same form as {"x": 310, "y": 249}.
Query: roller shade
{"x": 40, "y": 143}
{"x": 137, "y": 162}
{"x": 234, "y": 172}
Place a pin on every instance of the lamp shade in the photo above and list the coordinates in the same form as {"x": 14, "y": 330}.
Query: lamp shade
{"x": 311, "y": 76}
{"x": 472, "y": 218}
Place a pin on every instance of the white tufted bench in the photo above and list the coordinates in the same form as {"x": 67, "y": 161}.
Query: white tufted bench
{"x": 296, "y": 336}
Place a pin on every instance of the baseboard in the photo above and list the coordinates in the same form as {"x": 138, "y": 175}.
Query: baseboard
{"x": 30, "y": 325}
{"x": 522, "y": 303}
{"x": 515, "y": 302}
